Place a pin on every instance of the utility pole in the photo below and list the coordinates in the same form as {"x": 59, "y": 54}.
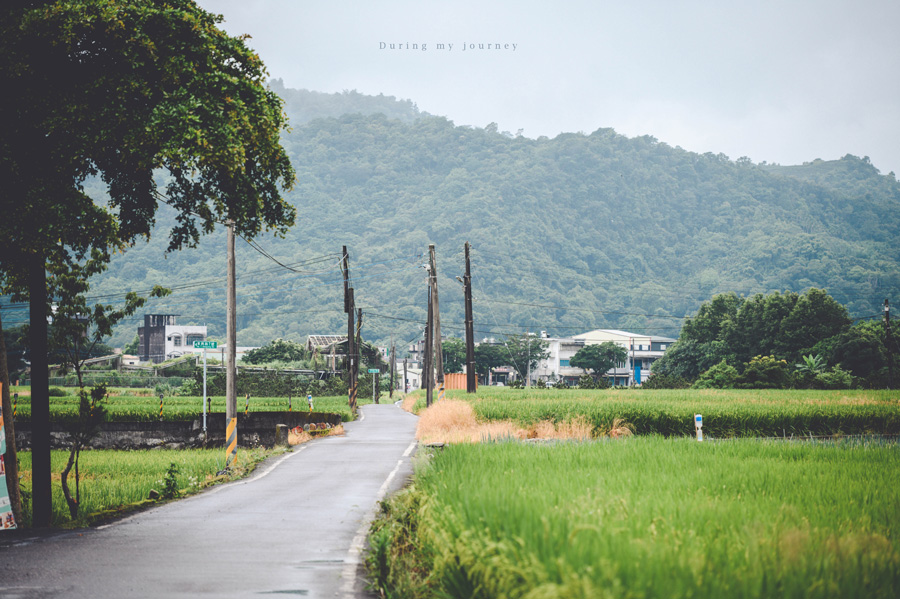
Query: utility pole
{"x": 471, "y": 380}
{"x": 393, "y": 363}
{"x": 405, "y": 388}
{"x": 438, "y": 354}
{"x": 889, "y": 342}
{"x": 357, "y": 356}
{"x": 427, "y": 371}
{"x": 349, "y": 309}
{"x": 528, "y": 361}
{"x": 231, "y": 334}
{"x": 436, "y": 318}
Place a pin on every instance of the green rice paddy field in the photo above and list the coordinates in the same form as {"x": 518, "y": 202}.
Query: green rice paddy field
{"x": 726, "y": 412}
{"x": 656, "y": 514}
{"x": 137, "y": 404}
{"x": 647, "y": 517}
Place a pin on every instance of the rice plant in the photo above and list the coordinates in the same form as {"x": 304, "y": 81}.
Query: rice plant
{"x": 658, "y": 517}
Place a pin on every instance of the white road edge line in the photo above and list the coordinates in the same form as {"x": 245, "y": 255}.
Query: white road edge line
{"x": 354, "y": 555}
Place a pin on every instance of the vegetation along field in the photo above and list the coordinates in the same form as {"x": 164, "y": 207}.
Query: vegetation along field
{"x": 141, "y": 405}
{"x": 113, "y": 482}
{"x": 646, "y": 517}
{"x": 726, "y": 412}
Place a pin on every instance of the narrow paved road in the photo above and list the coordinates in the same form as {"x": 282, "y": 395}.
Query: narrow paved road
{"x": 295, "y": 528}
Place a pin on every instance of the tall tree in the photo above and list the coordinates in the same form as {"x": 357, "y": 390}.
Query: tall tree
{"x": 123, "y": 90}
{"x": 526, "y": 352}
{"x": 599, "y": 357}
{"x": 454, "y": 350}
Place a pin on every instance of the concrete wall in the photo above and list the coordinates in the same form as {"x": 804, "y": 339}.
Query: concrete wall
{"x": 258, "y": 428}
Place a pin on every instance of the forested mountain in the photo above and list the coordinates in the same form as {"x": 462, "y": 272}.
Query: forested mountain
{"x": 610, "y": 231}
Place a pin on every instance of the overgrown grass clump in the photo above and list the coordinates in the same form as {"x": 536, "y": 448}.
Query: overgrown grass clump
{"x": 646, "y": 517}
{"x": 115, "y": 482}
{"x": 726, "y": 413}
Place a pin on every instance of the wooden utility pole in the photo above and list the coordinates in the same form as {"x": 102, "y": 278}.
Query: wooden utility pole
{"x": 349, "y": 309}
{"x": 357, "y": 345}
{"x": 231, "y": 332}
{"x": 471, "y": 375}
{"x": 889, "y": 342}
{"x": 427, "y": 371}
{"x": 436, "y": 320}
{"x": 41, "y": 497}
{"x": 393, "y": 359}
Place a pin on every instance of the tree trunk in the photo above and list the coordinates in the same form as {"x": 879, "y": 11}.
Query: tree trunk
{"x": 11, "y": 461}
{"x": 64, "y": 479}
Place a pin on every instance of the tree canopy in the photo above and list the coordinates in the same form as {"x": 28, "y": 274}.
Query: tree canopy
{"x": 129, "y": 91}
{"x": 599, "y": 357}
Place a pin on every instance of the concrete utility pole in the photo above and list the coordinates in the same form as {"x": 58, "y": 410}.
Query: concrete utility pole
{"x": 436, "y": 319}
{"x": 405, "y": 388}
{"x": 471, "y": 380}
{"x": 889, "y": 342}
{"x": 231, "y": 333}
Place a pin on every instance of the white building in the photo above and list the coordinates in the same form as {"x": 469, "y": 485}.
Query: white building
{"x": 642, "y": 350}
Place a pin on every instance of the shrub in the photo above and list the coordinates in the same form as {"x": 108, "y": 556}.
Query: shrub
{"x": 720, "y": 376}
{"x": 765, "y": 372}
{"x": 57, "y": 392}
{"x": 836, "y": 378}
{"x": 666, "y": 381}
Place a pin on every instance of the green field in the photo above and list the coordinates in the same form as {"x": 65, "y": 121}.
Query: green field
{"x": 646, "y": 517}
{"x": 726, "y": 413}
{"x": 135, "y": 404}
{"x": 114, "y": 482}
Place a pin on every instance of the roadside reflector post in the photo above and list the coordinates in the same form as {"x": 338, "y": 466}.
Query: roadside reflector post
{"x": 15, "y": 405}
{"x": 698, "y": 424}
{"x": 230, "y": 442}
{"x": 247, "y": 406}
{"x": 309, "y": 401}
{"x": 160, "y": 406}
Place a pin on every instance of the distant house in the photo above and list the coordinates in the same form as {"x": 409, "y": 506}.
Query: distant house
{"x": 643, "y": 351}
{"x": 161, "y": 339}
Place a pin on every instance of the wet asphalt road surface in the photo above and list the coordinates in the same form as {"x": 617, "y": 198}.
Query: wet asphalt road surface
{"x": 296, "y": 528}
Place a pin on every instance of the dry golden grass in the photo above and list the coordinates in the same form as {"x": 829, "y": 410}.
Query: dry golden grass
{"x": 452, "y": 421}
{"x": 409, "y": 402}
{"x": 296, "y": 438}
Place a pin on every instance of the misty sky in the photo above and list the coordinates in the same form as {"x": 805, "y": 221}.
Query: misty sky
{"x": 785, "y": 82}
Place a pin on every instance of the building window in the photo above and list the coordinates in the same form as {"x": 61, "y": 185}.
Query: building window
{"x": 176, "y": 340}
{"x": 662, "y": 347}
{"x": 564, "y": 363}
{"x": 191, "y": 337}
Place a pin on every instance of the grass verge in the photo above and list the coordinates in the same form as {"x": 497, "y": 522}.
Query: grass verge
{"x": 115, "y": 482}
{"x": 645, "y": 517}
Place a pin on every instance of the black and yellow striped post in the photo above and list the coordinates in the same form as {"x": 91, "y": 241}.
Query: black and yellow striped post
{"x": 247, "y": 406}
{"x": 230, "y": 442}
{"x": 290, "y": 406}
{"x": 441, "y": 392}
{"x": 15, "y": 405}
{"x": 160, "y": 406}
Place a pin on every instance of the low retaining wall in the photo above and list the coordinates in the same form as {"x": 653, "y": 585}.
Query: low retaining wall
{"x": 257, "y": 428}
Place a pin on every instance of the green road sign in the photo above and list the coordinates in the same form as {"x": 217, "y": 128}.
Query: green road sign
{"x": 374, "y": 371}
{"x": 206, "y": 344}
